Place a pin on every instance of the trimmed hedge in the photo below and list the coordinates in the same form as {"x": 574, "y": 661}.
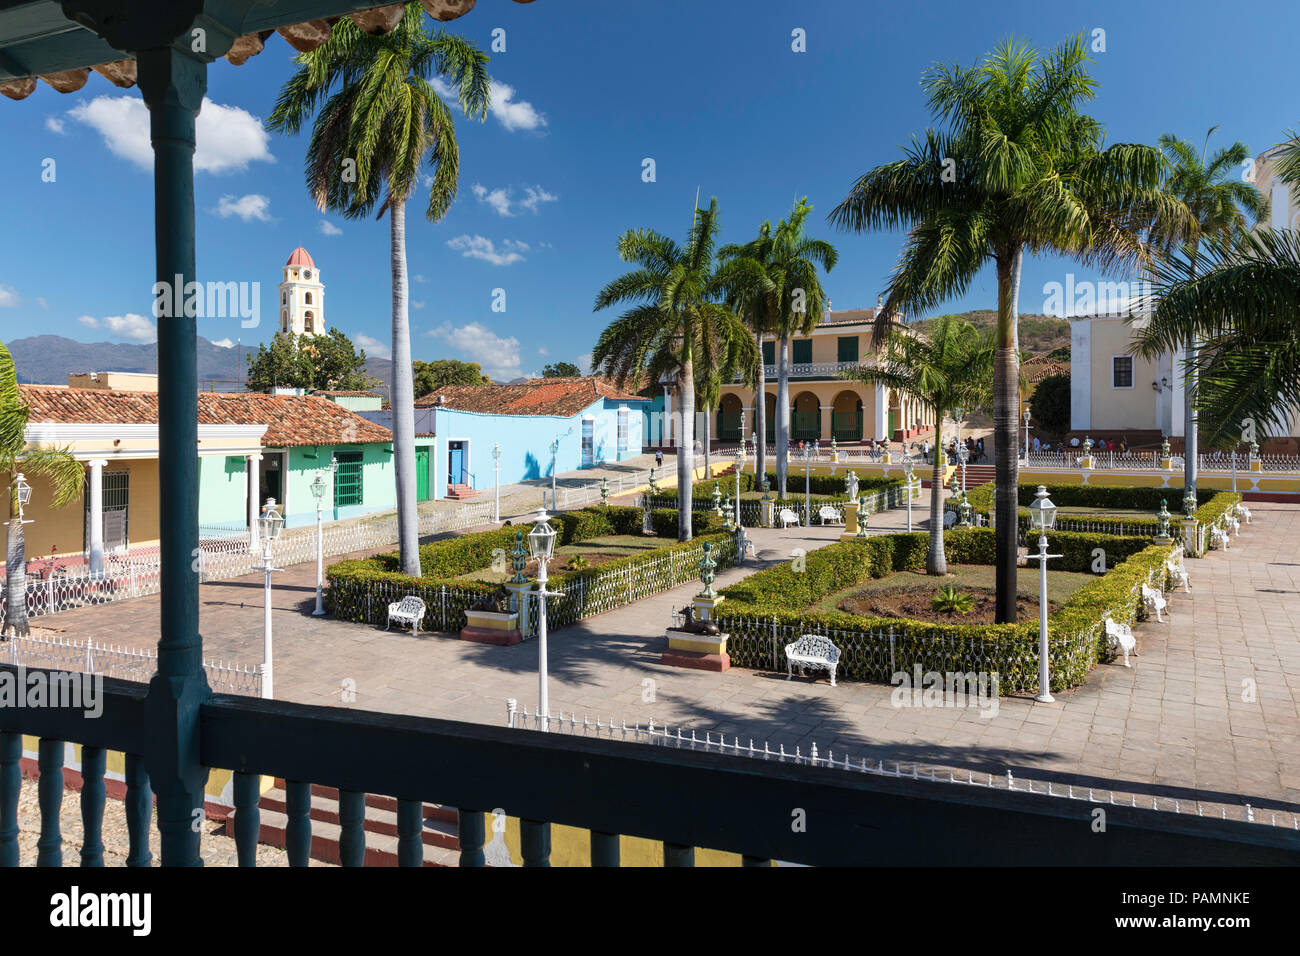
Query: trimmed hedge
{"x": 831, "y": 485}
{"x": 775, "y": 602}
{"x": 360, "y": 589}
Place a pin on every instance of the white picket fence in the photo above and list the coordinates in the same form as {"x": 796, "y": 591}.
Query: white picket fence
{"x": 682, "y": 739}
{"x": 125, "y": 663}
{"x": 138, "y": 572}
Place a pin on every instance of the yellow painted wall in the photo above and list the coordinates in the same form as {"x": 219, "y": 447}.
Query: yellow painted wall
{"x": 571, "y": 846}
{"x": 1131, "y": 407}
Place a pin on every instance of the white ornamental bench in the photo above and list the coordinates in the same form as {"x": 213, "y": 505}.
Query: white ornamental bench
{"x": 812, "y": 650}
{"x": 1120, "y": 637}
{"x": 787, "y": 518}
{"x": 827, "y": 513}
{"x": 949, "y": 519}
{"x": 1234, "y": 523}
{"x": 1243, "y": 511}
{"x": 1178, "y": 573}
{"x": 1154, "y": 600}
{"x": 409, "y": 611}
{"x": 1219, "y": 538}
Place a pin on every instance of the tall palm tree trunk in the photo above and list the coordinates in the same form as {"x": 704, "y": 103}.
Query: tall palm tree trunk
{"x": 935, "y": 562}
{"x": 403, "y": 401}
{"x": 782, "y": 414}
{"x": 1006, "y": 395}
{"x": 760, "y": 421}
{"x": 15, "y": 623}
{"x": 686, "y": 449}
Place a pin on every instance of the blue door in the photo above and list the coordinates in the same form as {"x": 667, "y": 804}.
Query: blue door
{"x": 588, "y": 442}
{"x": 455, "y": 462}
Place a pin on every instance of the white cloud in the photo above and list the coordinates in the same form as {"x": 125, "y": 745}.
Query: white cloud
{"x": 224, "y": 344}
{"x": 417, "y": 304}
{"x": 419, "y": 278}
{"x": 373, "y": 346}
{"x": 130, "y": 326}
{"x": 228, "y": 138}
{"x": 9, "y": 296}
{"x": 480, "y": 247}
{"x": 54, "y": 125}
{"x": 543, "y": 351}
{"x": 42, "y": 303}
{"x": 477, "y": 343}
{"x": 511, "y": 113}
{"x": 584, "y": 363}
{"x": 501, "y": 202}
{"x": 250, "y": 207}
{"x": 328, "y": 228}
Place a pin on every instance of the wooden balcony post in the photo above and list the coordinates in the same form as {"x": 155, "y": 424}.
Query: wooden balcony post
{"x": 173, "y": 83}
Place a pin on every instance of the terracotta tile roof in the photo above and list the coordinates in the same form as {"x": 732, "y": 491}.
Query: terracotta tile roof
{"x": 290, "y": 420}
{"x": 346, "y": 394}
{"x": 1038, "y": 367}
{"x": 300, "y": 257}
{"x": 539, "y": 396}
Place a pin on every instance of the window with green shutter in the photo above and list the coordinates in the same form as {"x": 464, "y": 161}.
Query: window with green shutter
{"x": 848, "y": 348}
{"x": 769, "y": 353}
{"x": 802, "y": 352}
{"x": 347, "y": 479}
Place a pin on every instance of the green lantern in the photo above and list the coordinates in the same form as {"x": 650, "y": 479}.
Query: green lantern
{"x": 604, "y": 492}
{"x": 726, "y": 513}
{"x": 654, "y": 486}
{"x": 965, "y": 512}
{"x": 717, "y": 500}
{"x": 862, "y": 516}
{"x": 1164, "y": 447}
{"x": 1162, "y": 519}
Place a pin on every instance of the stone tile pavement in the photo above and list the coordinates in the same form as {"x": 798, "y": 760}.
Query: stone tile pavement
{"x": 1207, "y": 712}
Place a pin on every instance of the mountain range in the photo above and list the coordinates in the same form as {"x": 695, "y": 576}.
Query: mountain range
{"x": 47, "y": 360}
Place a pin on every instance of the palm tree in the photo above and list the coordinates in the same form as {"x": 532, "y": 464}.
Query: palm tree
{"x": 1238, "y": 299}
{"x": 379, "y": 123}
{"x": 1018, "y": 169}
{"x": 679, "y": 326}
{"x": 1218, "y": 203}
{"x": 65, "y": 476}
{"x": 797, "y": 303}
{"x": 757, "y": 306}
{"x": 950, "y": 365}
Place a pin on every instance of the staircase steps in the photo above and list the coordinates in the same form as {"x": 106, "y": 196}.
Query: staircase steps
{"x": 461, "y": 492}
{"x": 439, "y": 836}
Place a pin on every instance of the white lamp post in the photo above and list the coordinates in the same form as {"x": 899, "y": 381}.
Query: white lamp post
{"x": 963, "y": 456}
{"x": 318, "y": 487}
{"x": 1026, "y": 436}
{"x": 24, "y": 491}
{"x": 908, "y": 467}
{"x": 1042, "y": 517}
{"x": 807, "y": 484}
{"x": 271, "y": 523}
{"x": 496, "y": 481}
{"x": 541, "y": 542}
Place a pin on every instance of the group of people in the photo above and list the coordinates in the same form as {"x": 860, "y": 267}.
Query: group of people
{"x": 1102, "y": 444}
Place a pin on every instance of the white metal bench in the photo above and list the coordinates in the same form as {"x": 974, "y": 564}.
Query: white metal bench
{"x": 949, "y": 519}
{"x": 1233, "y": 523}
{"x": 812, "y": 650}
{"x": 827, "y": 513}
{"x": 1178, "y": 573}
{"x": 1120, "y": 636}
{"x": 1243, "y": 511}
{"x": 1219, "y": 538}
{"x": 409, "y": 611}
{"x": 787, "y": 517}
{"x": 1154, "y": 600}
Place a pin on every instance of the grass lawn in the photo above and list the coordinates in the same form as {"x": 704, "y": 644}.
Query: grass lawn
{"x": 595, "y": 550}
{"x": 919, "y": 587}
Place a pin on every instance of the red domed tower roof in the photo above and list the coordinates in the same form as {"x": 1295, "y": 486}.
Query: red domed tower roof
{"x": 300, "y": 257}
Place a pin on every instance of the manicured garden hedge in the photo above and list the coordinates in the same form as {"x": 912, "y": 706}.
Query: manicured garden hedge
{"x": 361, "y": 589}
{"x": 770, "y": 609}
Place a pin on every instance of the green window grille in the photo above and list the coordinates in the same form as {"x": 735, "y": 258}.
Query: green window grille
{"x": 769, "y": 353}
{"x": 847, "y": 348}
{"x": 801, "y": 352}
{"x": 347, "y": 479}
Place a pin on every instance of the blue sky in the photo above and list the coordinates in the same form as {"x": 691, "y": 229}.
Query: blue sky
{"x": 710, "y": 89}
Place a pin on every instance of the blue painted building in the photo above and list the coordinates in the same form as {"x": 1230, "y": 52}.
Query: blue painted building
{"x": 595, "y": 423}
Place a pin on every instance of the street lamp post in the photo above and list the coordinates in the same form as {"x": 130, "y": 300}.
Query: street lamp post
{"x": 541, "y": 542}
{"x": 1026, "y": 436}
{"x": 740, "y": 466}
{"x": 271, "y": 523}
{"x": 1042, "y": 517}
{"x": 318, "y": 487}
{"x": 807, "y": 484}
{"x": 555, "y": 453}
{"x": 963, "y": 456}
{"x": 908, "y": 467}
{"x": 496, "y": 481}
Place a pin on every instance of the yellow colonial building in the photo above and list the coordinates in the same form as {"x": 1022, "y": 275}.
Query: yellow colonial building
{"x": 822, "y": 404}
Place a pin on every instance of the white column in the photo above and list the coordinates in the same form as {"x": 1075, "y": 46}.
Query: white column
{"x": 97, "y": 515}
{"x": 666, "y": 434}
{"x": 253, "y": 510}
{"x": 1080, "y": 375}
{"x": 882, "y": 413}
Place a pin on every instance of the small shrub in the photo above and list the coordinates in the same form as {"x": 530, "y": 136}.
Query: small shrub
{"x": 949, "y": 600}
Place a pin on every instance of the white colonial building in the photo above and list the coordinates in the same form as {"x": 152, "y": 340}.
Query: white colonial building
{"x": 302, "y": 296}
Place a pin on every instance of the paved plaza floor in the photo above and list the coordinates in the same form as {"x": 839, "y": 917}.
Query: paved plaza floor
{"x": 1207, "y": 712}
